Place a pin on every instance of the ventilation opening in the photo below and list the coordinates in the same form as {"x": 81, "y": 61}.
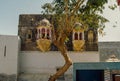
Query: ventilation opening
{"x": 5, "y": 51}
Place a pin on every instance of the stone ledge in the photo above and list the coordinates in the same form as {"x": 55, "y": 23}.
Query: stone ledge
{"x": 40, "y": 77}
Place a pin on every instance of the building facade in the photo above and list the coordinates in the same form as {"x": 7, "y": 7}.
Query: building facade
{"x": 33, "y": 27}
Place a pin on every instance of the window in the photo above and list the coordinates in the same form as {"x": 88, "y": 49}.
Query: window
{"x": 48, "y": 35}
{"x": 80, "y": 36}
{"x": 43, "y": 32}
{"x": 76, "y": 36}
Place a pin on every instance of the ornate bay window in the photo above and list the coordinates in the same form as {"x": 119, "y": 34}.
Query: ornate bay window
{"x": 78, "y": 38}
{"x": 44, "y": 35}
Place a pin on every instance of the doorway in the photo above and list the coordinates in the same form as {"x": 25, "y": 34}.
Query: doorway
{"x": 116, "y": 77}
{"x": 90, "y": 75}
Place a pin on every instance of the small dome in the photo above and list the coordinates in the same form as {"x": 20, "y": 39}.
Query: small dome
{"x": 77, "y": 24}
{"x": 78, "y": 27}
{"x": 44, "y": 22}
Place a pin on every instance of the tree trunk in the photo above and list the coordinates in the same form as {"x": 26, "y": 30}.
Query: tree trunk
{"x": 67, "y": 64}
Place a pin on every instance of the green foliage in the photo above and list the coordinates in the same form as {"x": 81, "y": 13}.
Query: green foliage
{"x": 96, "y": 3}
{"x": 94, "y": 20}
{"x": 47, "y": 7}
{"x": 88, "y": 13}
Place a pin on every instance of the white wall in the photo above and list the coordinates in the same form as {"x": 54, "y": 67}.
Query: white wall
{"x": 112, "y": 33}
{"x": 8, "y": 56}
{"x": 47, "y": 62}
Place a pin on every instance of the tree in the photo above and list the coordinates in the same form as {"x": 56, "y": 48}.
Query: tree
{"x": 66, "y": 14}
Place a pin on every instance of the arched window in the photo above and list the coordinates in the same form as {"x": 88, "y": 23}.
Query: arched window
{"x": 76, "y": 36}
{"x": 48, "y": 34}
{"x": 29, "y": 36}
{"x": 90, "y": 36}
{"x": 43, "y": 32}
{"x": 80, "y": 36}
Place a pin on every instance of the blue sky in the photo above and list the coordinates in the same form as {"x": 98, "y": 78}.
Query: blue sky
{"x": 11, "y": 9}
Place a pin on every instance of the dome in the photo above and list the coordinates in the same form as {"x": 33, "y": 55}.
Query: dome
{"x": 77, "y": 24}
{"x": 78, "y": 27}
{"x": 44, "y": 22}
